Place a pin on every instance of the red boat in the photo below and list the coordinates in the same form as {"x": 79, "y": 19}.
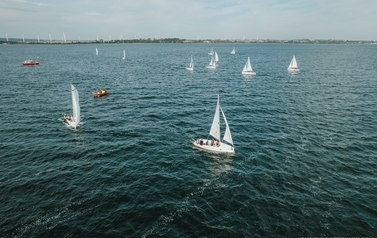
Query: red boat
{"x": 30, "y": 62}
{"x": 100, "y": 93}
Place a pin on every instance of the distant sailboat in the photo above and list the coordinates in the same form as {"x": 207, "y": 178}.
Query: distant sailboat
{"x": 293, "y": 65}
{"x": 74, "y": 120}
{"x": 216, "y": 57}
{"x": 211, "y": 52}
{"x": 96, "y": 51}
{"x": 233, "y": 51}
{"x": 217, "y": 145}
{"x": 191, "y": 66}
{"x": 212, "y": 64}
{"x": 124, "y": 55}
{"x": 247, "y": 70}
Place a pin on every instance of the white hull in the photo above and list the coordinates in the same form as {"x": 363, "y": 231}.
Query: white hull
{"x": 189, "y": 68}
{"x": 71, "y": 124}
{"x": 211, "y": 66}
{"x": 223, "y": 148}
{"x": 248, "y": 73}
{"x": 293, "y": 70}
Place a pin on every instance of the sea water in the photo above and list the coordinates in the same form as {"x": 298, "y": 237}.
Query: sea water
{"x": 305, "y": 143}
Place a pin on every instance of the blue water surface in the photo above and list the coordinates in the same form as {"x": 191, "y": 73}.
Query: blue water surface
{"x": 305, "y": 143}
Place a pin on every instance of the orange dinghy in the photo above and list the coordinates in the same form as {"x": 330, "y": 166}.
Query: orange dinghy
{"x": 30, "y": 63}
{"x": 100, "y": 93}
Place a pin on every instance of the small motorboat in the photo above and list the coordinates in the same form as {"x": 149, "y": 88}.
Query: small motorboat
{"x": 30, "y": 63}
{"x": 100, "y": 93}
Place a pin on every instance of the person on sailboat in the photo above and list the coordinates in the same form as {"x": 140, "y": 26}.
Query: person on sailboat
{"x": 68, "y": 118}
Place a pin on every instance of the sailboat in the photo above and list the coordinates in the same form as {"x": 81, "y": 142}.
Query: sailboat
{"x": 191, "y": 66}
{"x": 233, "y": 51}
{"x": 247, "y": 68}
{"x": 96, "y": 51}
{"x": 124, "y": 55}
{"x": 212, "y": 64}
{"x": 211, "y": 52}
{"x": 216, "y": 145}
{"x": 216, "y": 57}
{"x": 74, "y": 120}
{"x": 293, "y": 65}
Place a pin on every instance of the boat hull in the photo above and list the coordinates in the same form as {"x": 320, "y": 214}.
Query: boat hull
{"x": 210, "y": 67}
{"x": 248, "y": 73}
{"x": 71, "y": 123}
{"x": 99, "y": 94}
{"x": 189, "y": 69}
{"x": 30, "y": 63}
{"x": 293, "y": 70}
{"x": 222, "y": 148}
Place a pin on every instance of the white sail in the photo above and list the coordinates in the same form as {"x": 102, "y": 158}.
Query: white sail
{"x": 96, "y": 51}
{"x": 293, "y": 65}
{"x": 247, "y": 68}
{"x": 216, "y": 57}
{"x": 233, "y": 51}
{"x": 124, "y": 55}
{"x": 227, "y": 135}
{"x": 191, "y": 66}
{"x": 75, "y": 119}
{"x": 211, "y": 52}
{"x": 215, "y": 128}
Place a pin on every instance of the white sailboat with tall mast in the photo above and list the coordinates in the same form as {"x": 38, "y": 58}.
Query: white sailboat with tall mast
{"x": 233, "y": 51}
{"x": 212, "y": 64}
{"x": 211, "y": 52}
{"x": 191, "y": 66}
{"x": 247, "y": 70}
{"x": 293, "y": 65}
{"x": 74, "y": 120}
{"x": 96, "y": 51}
{"x": 124, "y": 55}
{"x": 216, "y": 144}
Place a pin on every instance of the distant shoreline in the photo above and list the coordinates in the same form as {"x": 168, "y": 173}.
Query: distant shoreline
{"x": 177, "y": 40}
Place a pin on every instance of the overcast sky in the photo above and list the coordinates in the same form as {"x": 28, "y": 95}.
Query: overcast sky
{"x": 190, "y": 19}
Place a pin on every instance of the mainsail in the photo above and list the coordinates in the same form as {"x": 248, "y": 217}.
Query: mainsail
{"x": 75, "y": 106}
{"x": 215, "y": 128}
{"x": 247, "y": 66}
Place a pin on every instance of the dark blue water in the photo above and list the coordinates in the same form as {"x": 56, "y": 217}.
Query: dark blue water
{"x": 306, "y": 143}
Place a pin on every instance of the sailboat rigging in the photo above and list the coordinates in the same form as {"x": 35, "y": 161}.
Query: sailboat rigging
{"x": 216, "y": 145}
{"x": 247, "y": 70}
{"x": 191, "y": 66}
{"x": 74, "y": 120}
{"x": 211, "y": 52}
{"x": 216, "y": 57}
{"x": 212, "y": 64}
{"x": 293, "y": 65}
{"x": 233, "y": 51}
